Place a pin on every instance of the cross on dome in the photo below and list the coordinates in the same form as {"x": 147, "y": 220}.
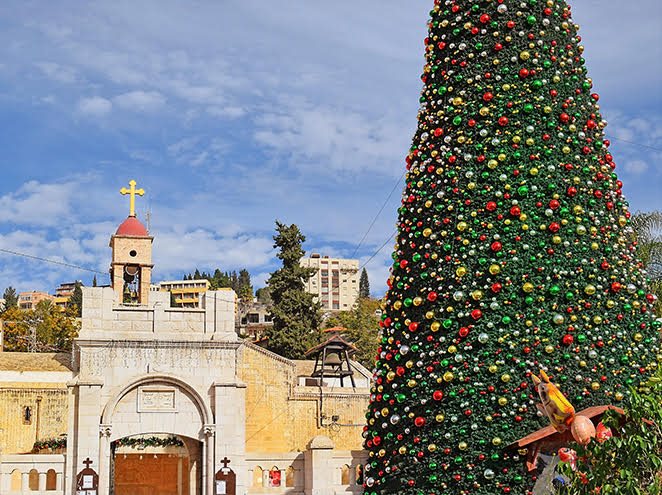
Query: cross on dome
{"x": 132, "y": 191}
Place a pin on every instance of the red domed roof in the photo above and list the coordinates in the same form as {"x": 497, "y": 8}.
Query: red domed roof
{"x": 132, "y": 227}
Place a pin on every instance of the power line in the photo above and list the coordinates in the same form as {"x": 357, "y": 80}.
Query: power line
{"x": 378, "y": 213}
{"x": 633, "y": 143}
{"x": 46, "y": 260}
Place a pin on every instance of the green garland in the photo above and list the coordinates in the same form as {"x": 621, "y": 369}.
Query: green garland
{"x": 134, "y": 442}
{"x": 50, "y": 443}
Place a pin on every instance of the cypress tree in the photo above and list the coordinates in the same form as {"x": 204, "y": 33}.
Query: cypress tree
{"x": 512, "y": 256}
{"x": 296, "y": 316}
{"x": 364, "y": 284}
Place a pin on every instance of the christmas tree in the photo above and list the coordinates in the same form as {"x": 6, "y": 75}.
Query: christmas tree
{"x": 512, "y": 255}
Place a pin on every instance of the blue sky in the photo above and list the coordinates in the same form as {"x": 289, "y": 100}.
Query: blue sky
{"x": 234, "y": 113}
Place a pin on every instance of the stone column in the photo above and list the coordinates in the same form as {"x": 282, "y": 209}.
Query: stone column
{"x": 208, "y": 461}
{"x": 230, "y": 412}
{"x": 58, "y": 482}
{"x": 104, "y": 459}
{"x": 25, "y": 482}
{"x": 319, "y": 469}
{"x": 42, "y": 482}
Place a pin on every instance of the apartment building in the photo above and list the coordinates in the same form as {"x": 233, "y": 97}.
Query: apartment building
{"x": 29, "y": 300}
{"x": 185, "y": 293}
{"x": 336, "y": 282}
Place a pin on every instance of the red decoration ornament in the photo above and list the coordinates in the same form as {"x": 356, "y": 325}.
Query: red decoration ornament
{"x": 419, "y": 421}
{"x": 437, "y": 395}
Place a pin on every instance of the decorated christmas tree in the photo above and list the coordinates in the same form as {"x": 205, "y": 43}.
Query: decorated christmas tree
{"x": 512, "y": 256}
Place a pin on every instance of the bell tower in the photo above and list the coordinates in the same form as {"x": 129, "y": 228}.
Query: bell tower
{"x": 131, "y": 266}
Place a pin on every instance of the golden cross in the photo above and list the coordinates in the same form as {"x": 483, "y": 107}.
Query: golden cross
{"x": 133, "y": 191}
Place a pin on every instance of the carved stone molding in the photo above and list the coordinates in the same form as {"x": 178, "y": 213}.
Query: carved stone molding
{"x": 209, "y": 430}
{"x": 105, "y": 430}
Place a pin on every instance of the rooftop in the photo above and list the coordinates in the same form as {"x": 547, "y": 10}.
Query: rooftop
{"x": 35, "y": 361}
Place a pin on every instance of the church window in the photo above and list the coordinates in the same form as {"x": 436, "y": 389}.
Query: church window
{"x": 27, "y": 415}
{"x": 289, "y": 477}
{"x": 257, "y": 476}
{"x": 15, "y": 481}
{"x": 50, "y": 479}
{"x": 344, "y": 475}
{"x": 274, "y": 477}
{"x": 33, "y": 480}
{"x": 253, "y": 318}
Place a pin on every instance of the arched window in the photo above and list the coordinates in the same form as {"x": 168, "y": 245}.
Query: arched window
{"x": 289, "y": 477}
{"x": 257, "y": 476}
{"x": 50, "y": 479}
{"x": 15, "y": 484}
{"x": 274, "y": 476}
{"x": 27, "y": 415}
{"x": 33, "y": 480}
{"x": 344, "y": 475}
{"x": 359, "y": 474}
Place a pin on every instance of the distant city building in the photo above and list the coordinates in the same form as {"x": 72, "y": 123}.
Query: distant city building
{"x": 336, "y": 283}
{"x": 66, "y": 289}
{"x": 253, "y": 319}
{"x": 186, "y": 293}
{"x": 29, "y": 300}
{"x": 64, "y": 292}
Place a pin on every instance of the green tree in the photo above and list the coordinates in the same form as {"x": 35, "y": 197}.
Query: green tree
{"x": 630, "y": 462}
{"x": 244, "y": 285}
{"x": 647, "y": 233}
{"x": 364, "y": 284}
{"x": 11, "y": 298}
{"x": 76, "y": 299}
{"x": 296, "y": 316}
{"x": 263, "y": 296}
{"x": 512, "y": 254}
{"x": 362, "y": 324}
{"x": 44, "y": 329}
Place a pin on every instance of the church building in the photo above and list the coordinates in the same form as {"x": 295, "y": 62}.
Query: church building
{"x": 161, "y": 400}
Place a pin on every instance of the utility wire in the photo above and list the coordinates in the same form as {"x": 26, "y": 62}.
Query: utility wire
{"x": 46, "y": 260}
{"x": 633, "y": 143}
{"x": 395, "y": 186}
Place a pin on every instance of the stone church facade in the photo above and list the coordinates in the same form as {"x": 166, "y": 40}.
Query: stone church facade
{"x": 157, "y": 400}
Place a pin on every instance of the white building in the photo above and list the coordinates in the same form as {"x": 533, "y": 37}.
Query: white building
{"x": 336, "y": 282}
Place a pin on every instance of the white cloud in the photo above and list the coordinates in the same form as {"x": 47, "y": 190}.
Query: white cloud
{"x": 336, "y": 138}
{"x": 57, "y": 72}
{"x": 636, "y": 167}
{"x": 36, "y": 203}
{"x": 96, "y": 106}
{"x": 175, "y": 252}
{"x": 229, "y": 112}
{"x": 140, "y": 100}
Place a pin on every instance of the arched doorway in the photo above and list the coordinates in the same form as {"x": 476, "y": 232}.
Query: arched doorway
{"x": 155, "y": 464}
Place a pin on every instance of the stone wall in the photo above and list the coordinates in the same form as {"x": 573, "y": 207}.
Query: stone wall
{"x": 284, "y": 417}
{"x": 49, "y": 411}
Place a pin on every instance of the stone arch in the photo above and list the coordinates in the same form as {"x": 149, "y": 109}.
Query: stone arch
{"x": 187, "y": 390}
{"x": 257, "y": 476}
{"x": 344, "y": 474}
{"x": 33, "y": 480}
{"x": 15, "y": 480}
{"x": 51, "y": 479}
